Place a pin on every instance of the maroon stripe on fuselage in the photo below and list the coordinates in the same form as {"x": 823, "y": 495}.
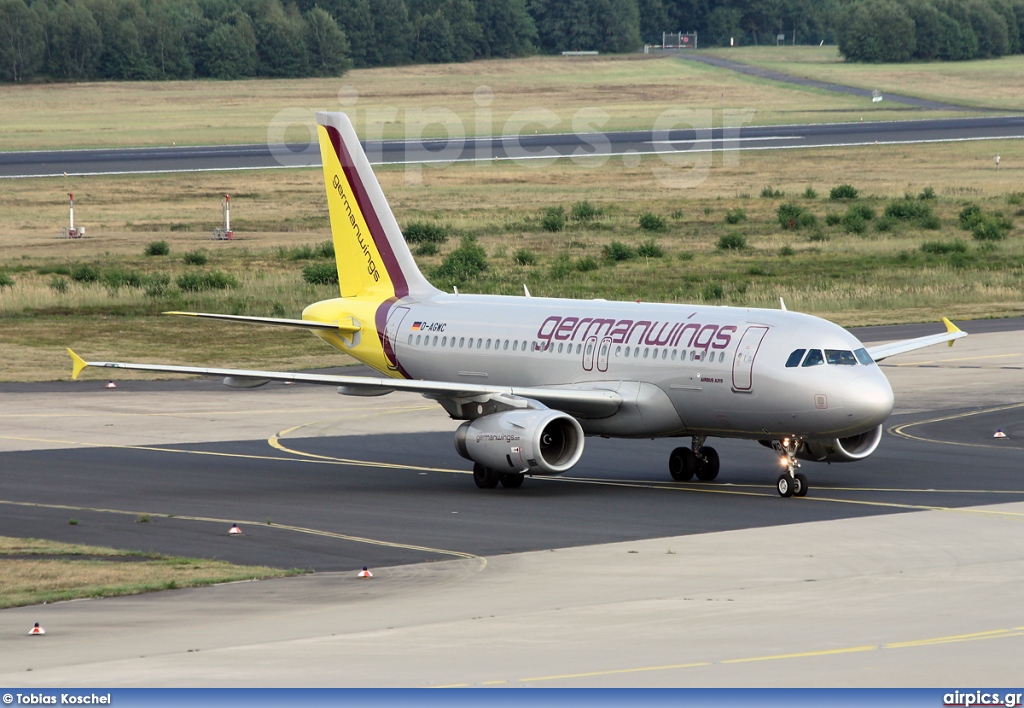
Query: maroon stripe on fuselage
{"x": 380, "y": 238}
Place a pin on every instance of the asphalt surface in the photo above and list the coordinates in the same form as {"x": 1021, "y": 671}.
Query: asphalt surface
{"x": 521, "y": 147}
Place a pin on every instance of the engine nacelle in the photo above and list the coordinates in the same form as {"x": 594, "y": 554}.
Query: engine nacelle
{"x": 530, "y": 441}
{"x": 850, "y": 449}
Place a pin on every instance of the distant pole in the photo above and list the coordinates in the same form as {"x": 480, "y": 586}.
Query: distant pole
{"x": 227, "y": 212}
{"x": 71, "y": 200}
{"x": 997, "y": 161}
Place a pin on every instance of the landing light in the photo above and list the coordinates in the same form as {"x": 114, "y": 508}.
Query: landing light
{"x": 784, "y": 461}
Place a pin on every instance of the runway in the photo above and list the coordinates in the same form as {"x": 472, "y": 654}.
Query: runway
{"x": 676, "y": 137}
{"x": 904, "y": 569}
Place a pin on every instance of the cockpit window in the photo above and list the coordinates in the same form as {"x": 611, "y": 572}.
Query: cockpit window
{"x": 840, "y": 357}
{"x": 794, "y": 358}
{"x": 863, "y": 357}
{"x": 814, "y": 358}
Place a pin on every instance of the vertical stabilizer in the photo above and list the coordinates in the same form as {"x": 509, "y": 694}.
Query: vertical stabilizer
{"x": 371, "y": 253}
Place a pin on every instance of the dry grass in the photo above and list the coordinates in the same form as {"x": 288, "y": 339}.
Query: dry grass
{"x": 396, "y": 102}
{"x": 984, "y": 83}
{"x": 34, "y": 571}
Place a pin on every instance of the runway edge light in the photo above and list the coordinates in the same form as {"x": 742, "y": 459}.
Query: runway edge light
{"x": 36, "y": 630}
{"x": 364, "y": 573}
{"x": 1000, "y": 435}
{"x": 234, "y": 530}
{"x": 111, "y": 384}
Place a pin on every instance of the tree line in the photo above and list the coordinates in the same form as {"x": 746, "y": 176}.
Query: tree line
{"x": 890, "y": 31}
{"x": 62, "y": 40}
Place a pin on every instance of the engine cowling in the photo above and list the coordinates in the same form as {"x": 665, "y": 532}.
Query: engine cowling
{"x": 849, "y": 449}
{"x": 530, "y": 441}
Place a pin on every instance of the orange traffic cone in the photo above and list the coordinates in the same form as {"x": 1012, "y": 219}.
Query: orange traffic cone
{"x": 364, "y": 573}
{"x": 234, "y": 530}
{"x": 111, "y": 384}
{"x": 999, "y": 434}
{"x": 36, "y": 629}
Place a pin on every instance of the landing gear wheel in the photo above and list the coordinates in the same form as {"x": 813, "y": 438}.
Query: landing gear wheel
{"x": 785, "y": 485}
{"x": 511, "y": 480}
{"x": 682, "y": 464}
{"x": 485, "y": 477}
{"x": 707, "y": 469}
{"x": 799, "y": 485}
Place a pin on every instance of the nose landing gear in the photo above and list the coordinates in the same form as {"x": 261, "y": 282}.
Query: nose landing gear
{"x": 790, "y": 483}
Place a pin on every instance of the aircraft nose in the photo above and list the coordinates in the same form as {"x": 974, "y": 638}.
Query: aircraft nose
{"x": 869, "y": 398}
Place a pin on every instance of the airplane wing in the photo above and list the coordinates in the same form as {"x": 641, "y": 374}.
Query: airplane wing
{"x": 344, "y": 326}
{"x": 587, "y": 402}
{"x": 884, "y": 351}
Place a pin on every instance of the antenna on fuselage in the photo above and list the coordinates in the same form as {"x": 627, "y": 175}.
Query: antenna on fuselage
{"x": 526, "y": 290}
{"x": 782, "y": 303}
{"x": 456, "y": 289}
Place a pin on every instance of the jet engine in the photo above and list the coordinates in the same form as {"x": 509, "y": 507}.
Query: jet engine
{"x": 539, "y": 442}
{"x": 849, "y": 449}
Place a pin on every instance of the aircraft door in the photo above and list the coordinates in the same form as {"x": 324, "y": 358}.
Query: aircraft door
{"x": 602, "y": 354}
{"x": 391, "y": 331}
{"x": 588, "y": 353}
{"x": 743, "y": 363}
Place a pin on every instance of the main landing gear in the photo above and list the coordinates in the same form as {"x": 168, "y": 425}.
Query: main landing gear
{"x": 790, "y": 483}
{"x": 488, "y": 478}
{"x": 698, "y": 461}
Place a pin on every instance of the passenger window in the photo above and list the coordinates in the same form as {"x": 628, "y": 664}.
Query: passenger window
{"x": 814, "y": 358}
{"x": 664, "y": 353}
{"x": 418, "y": 338}
{"x": 444, "y": 341}
{"x": 462, "y": 342}
{"x": 795, "y": 357}
{"x": 435, "y": 340}
{"x": 863, "y": 357}
{"x": 410, "y": 339}
{"x": 674, "y": 353}
{"x": 647, "y": 351}
{"x": 479, "y": 342}
{"x": 560, "y": 345}
{"x": 618, "y": 351}
{"x": 840, "y": 357}
{"x": 506, "y": 345}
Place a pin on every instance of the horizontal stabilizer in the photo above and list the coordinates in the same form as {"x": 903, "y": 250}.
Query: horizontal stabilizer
{"x": 884, "y": 351}
{"x": 346, "y": 325}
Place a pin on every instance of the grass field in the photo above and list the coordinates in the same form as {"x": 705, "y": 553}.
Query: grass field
{"x": 983, "y": 83}
{"x": 398, "y": 102}
{"x": 34, "y": 571}
{"x": 875, "y": 277}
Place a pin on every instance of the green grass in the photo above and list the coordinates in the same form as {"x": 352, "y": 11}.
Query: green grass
{"x": 35, "y": 571}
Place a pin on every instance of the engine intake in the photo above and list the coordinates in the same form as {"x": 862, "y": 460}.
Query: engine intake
{"x": 849, "y": 449}
{"x": 531, "y": 441}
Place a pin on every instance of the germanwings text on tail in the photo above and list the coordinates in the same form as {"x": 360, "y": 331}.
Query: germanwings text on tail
{"x": 532, "y": 377}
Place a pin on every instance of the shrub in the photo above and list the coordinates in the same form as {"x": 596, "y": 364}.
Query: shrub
{"x": 214, "y": 280}
{"x": 317, "y": 274}
{"x": 807, "y": 220}
{"x": 467, "y": 261}
{"x": 584, "y": 211}
{"x": 586, "y": 264}
{"x": 1015, "y": 199}
{"x": 158, "y": 248}
{"x": 197, "y": 258}
{"x": 863, "y": 210}
{"x": 970, "y": 216}
{"x": 423, "y": 232}
{"x": 116, "y": 278}
{"x": 651, "y": 222}
{"x": 758, "y": 270}
{"x": 525, "y": 257}
{"x": 943, "y": 247}
{"x": 927, "y": 193}
{"x": 617, "y": 251}
{"x": 156, "y": 284}
{"x": 817, "y": 235}
{"x": 299, "y": 253}
{"x": 686, "y": 256}
{"x": 842, "y": 191}
{"x": 59, "y": 284}
{"x": 769, "y": 193}
{"x": 809, "y": 193}
{"x": 854, "y": 223}
{"x": 908, "y": 210}
{"x": 885, "y": 224}
{"x": 427, "y": 248}
{"x": 789, "y": 215}
{"x": 832, "y": 218}
{"x": 562, "y": 267}
{"x": 787, "y": 251}
{"x": 554, "y": 219}
{"x": 713, "y": 291}
{"x": 735, "y": 216}
{"x": 6, "y": 281}
{"x": 931, "y": 222}
{"x": 732, "y": 242}
{"x": 988, "y": 229}
{"x": 650, "y": 249}
{"x": 324, "y": 249}
{"x": 84, "y": 273}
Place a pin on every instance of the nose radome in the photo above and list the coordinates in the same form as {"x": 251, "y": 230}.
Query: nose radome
{"x": 869, "y": 398}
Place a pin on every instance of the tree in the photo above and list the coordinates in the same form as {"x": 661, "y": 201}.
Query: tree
{"x": 927, "y": 28}
{"x": 877, "y": 31}
{"x": 619, "y": 25}
{"x": 329, "y": 52}
{"x": 506, "y": 28}
{"x": 990, "y": 28}
{"x": 355, "y": 19}
{"x": 168, "y": 38}
{"x": 75, "y": 42}
{"x": 281, "y": 43}
{"x": 565, "y": 25}
{"x": 393, "y": 31}
{"x": 229, "y": 50}
{"x": 22, "y": 44}
{"x": 121, "y": 23}
{"x": 653, "y": 21}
